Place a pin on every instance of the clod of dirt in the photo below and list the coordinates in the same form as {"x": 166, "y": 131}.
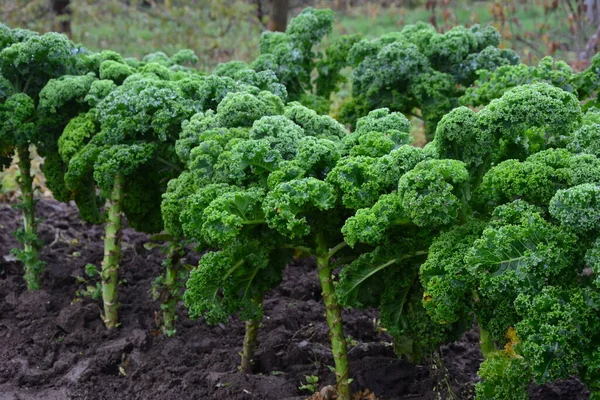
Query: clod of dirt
{"x": 328, "y": 393}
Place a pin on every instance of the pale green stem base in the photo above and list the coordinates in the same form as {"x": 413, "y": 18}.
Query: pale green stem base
{"x": 112, "y": 253}
{"x": 333, "y": 314}
{"x": 173, "y": 289}
{"x": 33, "y": 267}
{"x": 250, "y": 343}
{"x": 486, "y": 343}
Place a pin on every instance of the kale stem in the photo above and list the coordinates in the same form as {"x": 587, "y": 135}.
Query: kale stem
{"x": 30, "y": 254}
{"x": 333, "y": 314}
{"x": 253, "y": 222}
{"x": 402, "y": 222}
{"x": 169, "y": 164}
{"x": 337, "y": 248}
{"x": 302, "y": 249}
{"x": 172, "y": 287}
{"x": 486, "y": 342}
{"x": 112, "y": 253}
{"x": 250, "y": 342}
{"x": 27, "y": 84}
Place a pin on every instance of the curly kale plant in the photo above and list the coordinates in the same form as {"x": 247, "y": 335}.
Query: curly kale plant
{"x": 260, "y": 186}
{"x": 415, "y": 229}
{"x": 493, "y": 83}
{"x": 27, "y": 62}
{"x": 124, "y": 145}
{"x": 65, "y": 114}
{"x": 91, "y": 112}
{"x": 242, "y": 100}
{"x": 524, "y": 263}
{"x": 532, "y": 275}
{"x": 418, "y": 71}
{"x": 292, "y": 57}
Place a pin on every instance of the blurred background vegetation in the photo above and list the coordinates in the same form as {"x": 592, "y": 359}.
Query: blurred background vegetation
{"x": 222, "y": 30}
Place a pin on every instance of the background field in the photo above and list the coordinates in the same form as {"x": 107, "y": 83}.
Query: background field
{"x": 221, "y": 30}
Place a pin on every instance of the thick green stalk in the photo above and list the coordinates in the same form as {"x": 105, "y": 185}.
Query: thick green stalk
{"x": 30, "y": 254}
{"x": 112, "y": 253}
{"x": 333, "y": 314}
{"x": 485, "y": 342}
{"x": 250, "y": 343}
{"x": 172, "y": 288}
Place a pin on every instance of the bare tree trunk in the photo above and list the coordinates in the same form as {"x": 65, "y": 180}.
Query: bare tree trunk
{"x": 593, "y": 17}
{"x": 279, "y": 15}
{"x": 61, "y": 8}
{"x": 593, "y": 11}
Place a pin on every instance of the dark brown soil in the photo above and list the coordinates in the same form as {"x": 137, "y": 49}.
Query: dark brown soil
{"x": 54, "y": 346}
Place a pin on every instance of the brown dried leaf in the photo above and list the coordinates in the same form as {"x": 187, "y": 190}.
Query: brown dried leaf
{"x": 364, "y": 395}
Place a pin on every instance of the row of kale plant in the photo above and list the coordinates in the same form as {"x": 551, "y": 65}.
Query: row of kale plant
{"x": 495, "y": 219}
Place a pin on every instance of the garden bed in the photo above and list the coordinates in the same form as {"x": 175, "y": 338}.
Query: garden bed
{"x": 55, "y": 346}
